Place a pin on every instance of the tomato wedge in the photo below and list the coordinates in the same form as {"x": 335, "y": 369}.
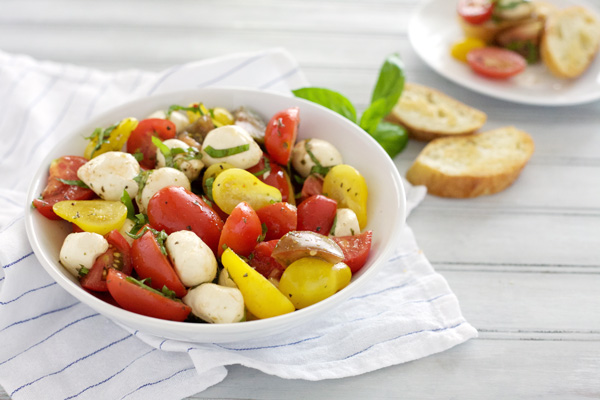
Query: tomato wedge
{"x": 355, "y": 248}
{"x": 241, "y": 230}
{"x": 263, "y": 263}
{"x": 150, "y": 262}
{"x": 475, "y": 11}
{"x": 280, "y": 218}
{"x": 116, "y": 257}
{"x": 135, "y": 298}
{"x": 62, "y": 168}
{"x": 140, "y": 139}
{"x": 281, "y": 133}
{"x": 497, "y": 63}
{"x": 316, "y": 214}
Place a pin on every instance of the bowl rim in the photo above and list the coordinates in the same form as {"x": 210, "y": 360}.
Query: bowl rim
{"x": 51, "y": 266}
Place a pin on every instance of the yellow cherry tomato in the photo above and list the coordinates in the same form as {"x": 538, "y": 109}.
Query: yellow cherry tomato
{"x": 115, "y": 141}
{"x": 262, "y": 299}
{"x": 221, "y": 116}
{"x": 459, "y": 50}
{"x": 98, "y": 216}
{"x": 310, "y": 280}
{"x": 193, "y": 116}
{"x": 212, "y": 172}
{"x": 348, "y": 187}
{"x": 235, "y": 185}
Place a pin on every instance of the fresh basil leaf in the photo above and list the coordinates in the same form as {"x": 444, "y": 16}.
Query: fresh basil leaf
{"x": 328, "y": 99}
{"x": 393, "y": 138}
{"x": 75, "y": 182}
{"x": 373, "y": 115}
{"x": 220, "y": 153}
{"x": 126, "y": 199}
{"x": 390, "y": 83}
{"x": 182, "y": 108}
{"x": 164, "y": 149}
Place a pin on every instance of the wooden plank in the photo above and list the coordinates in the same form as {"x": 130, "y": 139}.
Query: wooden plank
{"x": 479, "y": 369}
{"x": 532, "y": 303}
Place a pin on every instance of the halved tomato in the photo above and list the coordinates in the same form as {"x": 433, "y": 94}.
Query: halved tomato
{"x": 355, "y": 248}
{"x": 475, "y": 11}
{"x": 497, "y": 63}
{"x": 117, "y": 256}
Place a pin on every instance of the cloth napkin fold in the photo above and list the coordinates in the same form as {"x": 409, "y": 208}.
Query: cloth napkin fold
{"x": 54, "y": 347}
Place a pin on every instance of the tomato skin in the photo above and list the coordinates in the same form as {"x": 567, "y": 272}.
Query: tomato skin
{"x": 281, "y": 133}
{"x": 277, "y": 178}
{"x": 174, "y": 208}
{"x": 475, "y": 11}
{"x": 241, "y": 230}
{"x": 134, "y": 298}
{"x": 149, "y": 262}
{"x": 355, "y": 248}
{"x": 497, "y": 63}
{"x": 316, "y": 214}
{"x": 312, "y": 185}
{"x": 62, "y": 168}
{"x": 141, "y": 138}
{"x": 116, "y": 257}
{"x": 262, "y": 262}
{"x": 280, "y": 218}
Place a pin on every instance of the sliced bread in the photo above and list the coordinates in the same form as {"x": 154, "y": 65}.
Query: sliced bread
{"x": 570, "y": 41}
{"x": 474, "y": 165}
{"x": 428, "y": 114}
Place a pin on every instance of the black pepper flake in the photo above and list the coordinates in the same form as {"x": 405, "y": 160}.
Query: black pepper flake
{"x": 189, "y": 228}
{"x": 348, "y": 191}
{"x": 246, "y": 275}
{"x": 318, "y": 229}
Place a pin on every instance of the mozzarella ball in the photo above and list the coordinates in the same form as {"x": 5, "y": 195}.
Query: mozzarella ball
{"x": 216, "y": 304}
{"x": 158, "y": 179}
{"x": 323, "y": 151}
{"x": 110, "y": 173}
{"x": 225, "y": 279}
{"x": 192, "y": 259}
{"x": 80, "y": 250}
{"x": 126, "y": 227}
{"x": 180, "y": 120}
{"x": 346, "y": 223}
{"x": 191, "y": 168}
{"x": 227, "y": 137}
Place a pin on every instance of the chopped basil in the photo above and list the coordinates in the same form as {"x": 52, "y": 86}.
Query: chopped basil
{"x": 100, "y": 136}
{"x": 262, "y": 236}
{"x": 160, "y": 237}
{"x": 83, "y": 271}
{"x": 197, "y": 109}
{"x": 266, "y": 169}
{"x": 165, "y": 292}
{"x": 332, "y": 230}
{"x": 75, "y": 182}
{"x": 126, "y": 199}
{"x": 317, "y": 168}
{"x": 166, "y": 151}
{"x": 138, "y": 155}
{"x": 209, "y": 185}
{"x": 140, "y": 220}
{"x": 220, "y": 153}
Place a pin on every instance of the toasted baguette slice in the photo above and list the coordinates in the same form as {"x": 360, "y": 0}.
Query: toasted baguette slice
{"x": 471, "y": 166}
{"x": 570, "y": 41}
{"x": 428, "y": 114}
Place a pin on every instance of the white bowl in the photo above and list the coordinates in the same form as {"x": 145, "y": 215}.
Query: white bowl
{"x": 386, "y": 207}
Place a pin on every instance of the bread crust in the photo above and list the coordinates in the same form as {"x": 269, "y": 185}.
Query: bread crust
{"x": 429, "y": 114}
{"x": 458, "y": 167}
{"x": 570, "y": 42}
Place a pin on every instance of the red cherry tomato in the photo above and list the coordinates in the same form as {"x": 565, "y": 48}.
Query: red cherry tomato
{"x": 475, "y": 11}
{"x": 274, "y": 176}
{"x": 137, "y": 299}
{"x": 316, "y": 214}
{"x": 174, "y": 208}
{"x": 140, "y": 139}
{"x": 241, "y": 230}
{"x": 280, "y": 218}
{"x": 262, "y": 262}
{"x": 497, "y": 63}
{"x": 280, "y": 135}
{"x": 312, "y": 185}
{"x": 117, "y": 256}
{"x": 355, "y": 248}
{"x": 150, "y": 262}
{"x": 62, "y": 168}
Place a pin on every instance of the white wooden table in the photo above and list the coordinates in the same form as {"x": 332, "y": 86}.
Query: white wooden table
{"x": 525, "y": 263}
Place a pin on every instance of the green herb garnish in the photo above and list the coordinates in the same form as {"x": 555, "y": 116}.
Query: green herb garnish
{"x": 220, "y": 153}
{"x": 83, "y": 271}
{"x": 126, "y": 199}
{"x": 266, "y": 169}
{"x": 165, "y": 292}
{"x": 317, "y": 168}
{"x": 75, "y": 182}
{"x": 262, "y": 236}
{"x": 160, "y": 237}
{"x": 100, "y": 136}
{"x": 193, "y": 109}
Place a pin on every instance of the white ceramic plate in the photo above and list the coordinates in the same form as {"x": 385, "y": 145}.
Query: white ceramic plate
{"x": 386, "y": 207}
{"x": 434, "y": 28}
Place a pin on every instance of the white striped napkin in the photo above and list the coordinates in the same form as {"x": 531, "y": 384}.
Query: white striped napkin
{"x": 53, "y": 347}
